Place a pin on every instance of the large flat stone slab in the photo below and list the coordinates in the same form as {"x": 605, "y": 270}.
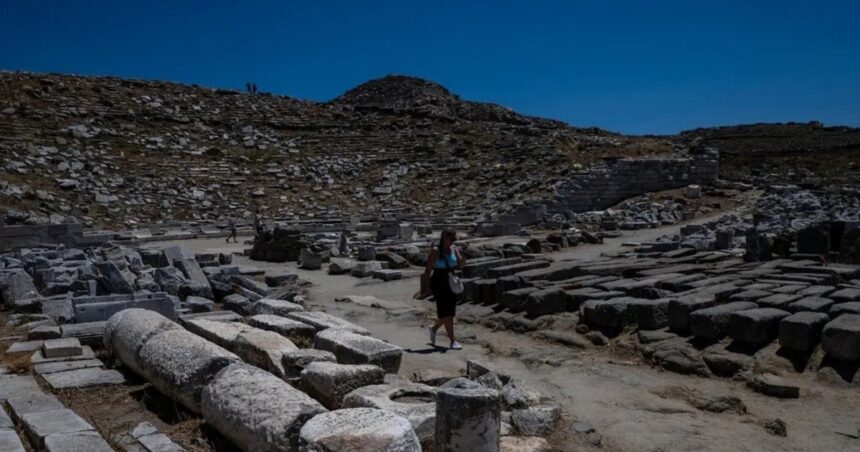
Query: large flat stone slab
{"x": 32, "y": 403}
{"x": 351, "y": 348}
{"x": 289, "y": 328}
{"x": 62, "y": 366}
{"x": 359, "y": 429}
{"x": 17, "y": 386}
{"x": 10, "y": 442}
{"x": 275, "y": 307}
{"x": 256, "y": 410}
{"x": 321, "y": 321}
{"x": 41, "y": 424}
{"x": 25, "y": 347}
{"x": 77, "y": 442}
{"x": 83, "y": 378}
{"x": 222, "y": 333}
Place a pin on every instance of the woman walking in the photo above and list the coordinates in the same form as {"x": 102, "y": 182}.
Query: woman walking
{"x": 441, "y": 262}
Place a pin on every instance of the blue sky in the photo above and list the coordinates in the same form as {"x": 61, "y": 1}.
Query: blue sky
{"x": 629, "y": 66}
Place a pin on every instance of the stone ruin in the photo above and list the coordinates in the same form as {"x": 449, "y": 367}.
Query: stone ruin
{"x": 265, "y": 372}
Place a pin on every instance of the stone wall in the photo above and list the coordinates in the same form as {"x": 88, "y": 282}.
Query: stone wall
{"x": 613, "y": 181}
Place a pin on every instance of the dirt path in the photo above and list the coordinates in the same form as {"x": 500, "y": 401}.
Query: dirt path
{"x": 634, "y": 407}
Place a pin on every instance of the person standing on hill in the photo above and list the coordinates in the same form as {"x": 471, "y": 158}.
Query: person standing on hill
{"x": 441, "y": 262}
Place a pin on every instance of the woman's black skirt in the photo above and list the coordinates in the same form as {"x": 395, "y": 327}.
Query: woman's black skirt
{"x": 446, "y": 301}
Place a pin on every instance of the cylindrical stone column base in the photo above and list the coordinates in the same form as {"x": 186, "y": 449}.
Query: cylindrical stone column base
{"x": 467, "y": 420}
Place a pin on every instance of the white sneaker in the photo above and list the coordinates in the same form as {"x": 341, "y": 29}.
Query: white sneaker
{"x": 432, "y": 336}
{"x": 456, "y": 346}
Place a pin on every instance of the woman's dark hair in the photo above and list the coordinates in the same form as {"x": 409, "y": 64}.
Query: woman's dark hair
{"x": 447, "y": 232}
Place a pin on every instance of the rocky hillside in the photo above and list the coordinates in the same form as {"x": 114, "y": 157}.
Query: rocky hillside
{"x": 112, "y": 151}
{"x": 797, "y": 152}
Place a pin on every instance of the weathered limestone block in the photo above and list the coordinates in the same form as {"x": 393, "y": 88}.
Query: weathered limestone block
{"x": 89, "y": 441}
{"x": 60, "y": 348}
{"x": 712, "y": 323}
{"x": 841, "y": 337}
{"x": 264, "y": 349}
{"x": 289, "y": 328}
{"x": 363, "y": 269}
{"x": 310, "y": 260}
{"x": 351, "y": 348}
{"x": 415, "y": 402}
{"x": 41, "y": 424}
{"x": 545, "y": 301}
{"x": 330, "y": 382}
{"x": 275, "y": 307}
{"x": 650, "y": 314}
{"x": 359, "y": 429}
{"x": 467, "y": 420}
{"x": 256, "y": 410}
{"x": 802, "y": 331}
{"x": 294, "y": 362}
{"x": 611, "y": 313}
{"x": 321, "y": 321}
{"x": 756, "y": 325}
{"x": 680, "y": 309}
{"x": 223, "y": 334}
{"x": 536, "y": 420}
{"x": 340, "y": 266}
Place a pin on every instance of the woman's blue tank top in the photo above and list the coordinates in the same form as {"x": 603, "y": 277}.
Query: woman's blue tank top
{"x": 452, "y": 260}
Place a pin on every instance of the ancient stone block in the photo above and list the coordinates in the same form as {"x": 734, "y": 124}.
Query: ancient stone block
{"x": 802, "y": 331}
{"x": 321, "y": 320}
{"x": 841, "y": 337}
{"x": 650, "y": 314}
{"x": 330, "y": 382}
{"x": 713, "y": 322}
{"x": 60, "y": 348}
{"x": 289, "y": 328}
{"x": 467, "y": 420}
{"x": 415, "y": 402}
{"x": 351, "y": 348}
{"x": 359, "y": 429}
{"x": 275, "y": 307}
{"x": 756, "y": 325}
{"x": 256, "y": 410}
{"x": 546, "y": 301}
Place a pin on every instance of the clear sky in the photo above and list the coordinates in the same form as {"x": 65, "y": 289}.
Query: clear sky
{"x": 645, "y": 66}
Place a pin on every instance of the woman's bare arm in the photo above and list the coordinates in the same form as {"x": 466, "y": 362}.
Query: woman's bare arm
{"x": 431, "y": 260}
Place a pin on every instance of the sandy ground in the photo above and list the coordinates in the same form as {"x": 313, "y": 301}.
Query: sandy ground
{"x": 632, "y": 405}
